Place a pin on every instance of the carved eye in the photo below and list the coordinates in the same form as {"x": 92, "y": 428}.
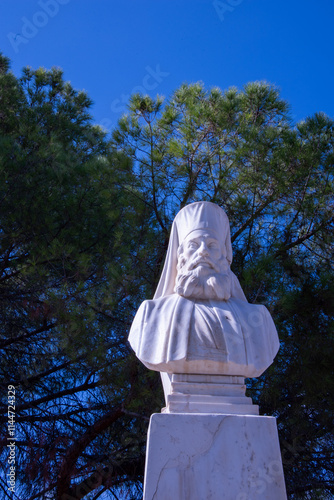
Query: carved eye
{"x": 213, "y": 244}
{"x": 192, "y": 245}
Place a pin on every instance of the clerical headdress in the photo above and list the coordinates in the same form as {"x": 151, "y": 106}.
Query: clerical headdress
{"x": 199, "y": 215}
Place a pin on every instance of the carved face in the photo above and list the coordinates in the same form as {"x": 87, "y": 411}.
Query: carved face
{"x": 201, "y": 248}
{"x": 203, "y": 271}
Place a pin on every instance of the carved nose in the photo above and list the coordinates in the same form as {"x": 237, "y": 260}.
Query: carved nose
{"x": 203, "y": 250}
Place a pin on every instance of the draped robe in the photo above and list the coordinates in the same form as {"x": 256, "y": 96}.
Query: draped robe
{"x": 178, "y": 335}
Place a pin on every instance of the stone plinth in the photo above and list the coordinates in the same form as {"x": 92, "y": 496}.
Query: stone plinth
{"x": 213, "y": 457}
{"x": 194, "y": 393}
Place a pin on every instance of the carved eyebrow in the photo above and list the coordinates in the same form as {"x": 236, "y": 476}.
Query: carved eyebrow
{"x": 211, "y": 239}
{"x": 208, "y": 239}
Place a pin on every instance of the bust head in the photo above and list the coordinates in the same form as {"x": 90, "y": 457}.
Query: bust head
{"x": 203, "y": 270}
{"x": 196, "y": 219}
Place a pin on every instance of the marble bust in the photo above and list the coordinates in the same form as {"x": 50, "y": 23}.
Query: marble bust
{"x": 204, "y": 338}
{"x": 199, "y": 321}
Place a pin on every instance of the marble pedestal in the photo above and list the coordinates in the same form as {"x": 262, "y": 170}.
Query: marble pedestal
{"x": 196, "y": 393}
{"x": 213, "y": 457}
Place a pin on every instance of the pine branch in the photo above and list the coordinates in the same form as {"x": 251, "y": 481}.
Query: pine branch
{"x": 64, "y": 476}
{"x": 58, "y": 395}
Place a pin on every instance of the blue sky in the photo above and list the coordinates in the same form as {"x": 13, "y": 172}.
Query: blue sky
{"x": 111, "y": 48}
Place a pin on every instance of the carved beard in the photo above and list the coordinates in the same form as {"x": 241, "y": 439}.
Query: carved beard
{"x": 199, "y": 282}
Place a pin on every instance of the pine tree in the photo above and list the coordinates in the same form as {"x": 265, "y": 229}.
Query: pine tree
{"x": 239, "y": 149}
{"x": 84, "y": 228}
{"x": 71, "y": 244}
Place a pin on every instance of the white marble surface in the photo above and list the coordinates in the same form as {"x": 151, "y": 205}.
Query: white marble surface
{"x": 204, "y": 337}
{"x": 199, "y": 320}
{"x": 194, "y": 393}
{"x": 213, "y": 457}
